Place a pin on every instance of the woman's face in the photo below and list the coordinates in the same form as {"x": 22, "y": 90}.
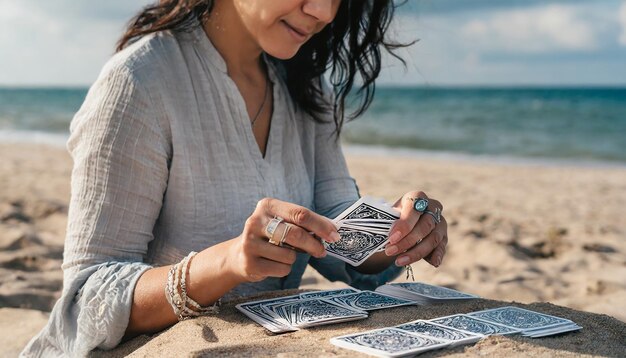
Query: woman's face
{"x": 280, "y": 27}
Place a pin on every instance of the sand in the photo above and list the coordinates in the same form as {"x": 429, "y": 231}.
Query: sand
{"x": 232, "y": 334}
{"x": 518, "y": 232}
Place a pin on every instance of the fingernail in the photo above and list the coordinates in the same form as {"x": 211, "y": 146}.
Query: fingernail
{"x": 334, "y": 236}
{"x": 394, "y": 237}
{"x": 323, "y": 253}
{"x": 439, "y": 259}
{"x": 404, "y": 260}
{"x": 391, "y": 249}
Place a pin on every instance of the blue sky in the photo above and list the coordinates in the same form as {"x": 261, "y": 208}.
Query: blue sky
{"x": 461, "y": 42}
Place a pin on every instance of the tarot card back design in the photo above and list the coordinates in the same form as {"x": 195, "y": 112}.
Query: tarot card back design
{"x": 389, "y": 342}
{"x": 474, "y": 325}
{"x": 368, "y": 301}
{"x": 520, "y": 318}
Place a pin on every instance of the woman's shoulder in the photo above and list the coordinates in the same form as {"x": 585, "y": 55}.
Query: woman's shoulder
{"x": 149, "y": 57}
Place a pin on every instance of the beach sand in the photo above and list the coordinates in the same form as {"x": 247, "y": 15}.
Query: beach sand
{"x": 518, "y": 232}
{"x": 232, "y": 334}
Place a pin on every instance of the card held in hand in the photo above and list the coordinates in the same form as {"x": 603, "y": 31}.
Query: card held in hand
{"x": 358, "y": 240}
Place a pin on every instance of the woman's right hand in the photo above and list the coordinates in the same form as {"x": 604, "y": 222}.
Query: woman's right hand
{"x": 254, "y": 258}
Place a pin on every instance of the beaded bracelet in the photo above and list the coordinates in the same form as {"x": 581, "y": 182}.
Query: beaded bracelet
{"x": 176, "y": 292}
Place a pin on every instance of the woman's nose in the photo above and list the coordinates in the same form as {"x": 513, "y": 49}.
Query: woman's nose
{"x": 322, "y": 10}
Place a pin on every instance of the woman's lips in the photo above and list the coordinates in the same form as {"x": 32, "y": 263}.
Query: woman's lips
{"x": 297, "y": 34}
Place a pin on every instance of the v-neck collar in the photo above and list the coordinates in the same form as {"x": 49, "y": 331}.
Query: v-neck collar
{"x": 273, "y": 148}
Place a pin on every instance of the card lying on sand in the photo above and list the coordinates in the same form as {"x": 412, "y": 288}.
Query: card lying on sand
{"x": 389, "y": 342}
{"x": 423, "y": 293}
{"x": 311, "y": 312}
{"x": 290, "y": 313}
{"x": 474, "y": 325}
{"x": 328, "y": 293}
{"x": 454, "y": 330}
{"x": 364, "y": 230}
{"x": 369, "y": 301}
{"x": 254, "y": 310}
{"x": 532, "y": 324}
{"x": 432, "y": 329}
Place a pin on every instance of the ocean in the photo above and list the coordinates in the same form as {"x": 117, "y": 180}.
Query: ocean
{"x": 571, "y": 124}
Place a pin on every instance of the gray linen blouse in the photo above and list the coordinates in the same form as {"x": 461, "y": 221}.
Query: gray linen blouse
{"x": 165, "y": 162}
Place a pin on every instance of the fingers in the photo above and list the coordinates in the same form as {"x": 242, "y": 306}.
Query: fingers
{"x": 258, "y": 258}
{"x": 424, "y": 226}
{"x": 276, "y": 253}
{"x": 297, "y": 237}
{"x": 435, "y": 258}
{"x": 427, "y": 246}
{"x": 408, "y": 216}
{"x": 261, "y": 268}
{"x": 300, "y": 216}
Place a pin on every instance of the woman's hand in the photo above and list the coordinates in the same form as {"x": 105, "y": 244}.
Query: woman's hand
{"x": 418, "y": 235}
{"x": 254, "y": 258}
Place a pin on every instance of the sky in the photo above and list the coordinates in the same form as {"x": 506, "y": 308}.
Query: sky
{"x": 460, "y": 42}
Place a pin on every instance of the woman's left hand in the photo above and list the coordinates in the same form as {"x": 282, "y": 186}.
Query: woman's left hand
{"x": 418, "y": 234}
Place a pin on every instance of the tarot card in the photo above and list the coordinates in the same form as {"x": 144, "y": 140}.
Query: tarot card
{"x": 368, "y": 208}
{"x": 255, "y": 311}
{"x": 367, "y": 223}
{"x": 438, "y": 331}
{"x": 371, "y": 222}
{"x": 374, "y": 224}
{"x": 433, "y": 292}
{"x": 552, "y": 331}
{"x": 423, "y": 293}
{"x": 520, "y": 318}
{"x": 369, "y": 301}
{"x": 356, "y": 246}
{"x": 375, "y": 230}
{"x": 389, "y": 342}
{"x": 474, "y": 325}
{"x": 312, "y": 312}
{"x": 329, "y": 293}
{"x": 358, "y": 243}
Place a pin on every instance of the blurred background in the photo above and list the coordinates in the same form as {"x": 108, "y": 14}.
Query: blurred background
{"x": 508, "y": 78}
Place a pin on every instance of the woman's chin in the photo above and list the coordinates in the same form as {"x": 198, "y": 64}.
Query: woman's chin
{"x": 282, "y": 52}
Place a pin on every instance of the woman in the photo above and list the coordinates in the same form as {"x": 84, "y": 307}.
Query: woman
{"x": 210, "y": 122}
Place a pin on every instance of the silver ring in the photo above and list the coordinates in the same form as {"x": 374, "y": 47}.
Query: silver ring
{"x": 270, "y": 229}
{"x": 436, "y": 215}
{"x": 283, "y": 237}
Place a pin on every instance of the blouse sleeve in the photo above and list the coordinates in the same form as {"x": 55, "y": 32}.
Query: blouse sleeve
{"x": 335, "y": 191}
{"x": 120, "y": 153}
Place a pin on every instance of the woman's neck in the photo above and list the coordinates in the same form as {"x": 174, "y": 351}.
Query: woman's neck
{"x": 232, "y": 40}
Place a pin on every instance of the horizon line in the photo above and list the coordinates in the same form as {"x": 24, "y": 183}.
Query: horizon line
{"x": 382, "y": 86}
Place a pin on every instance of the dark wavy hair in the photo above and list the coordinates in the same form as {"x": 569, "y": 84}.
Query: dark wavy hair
{"x": 348, "y": 46}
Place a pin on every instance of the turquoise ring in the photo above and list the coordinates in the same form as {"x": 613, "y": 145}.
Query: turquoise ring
{"x": 420, "y": 204}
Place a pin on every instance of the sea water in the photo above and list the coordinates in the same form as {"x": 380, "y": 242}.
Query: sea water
{"x": 586, "y": 124}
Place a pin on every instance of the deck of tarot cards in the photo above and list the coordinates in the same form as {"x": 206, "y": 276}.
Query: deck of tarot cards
{"x": 419, "y": 336}
{"x": 291, "y": 313}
